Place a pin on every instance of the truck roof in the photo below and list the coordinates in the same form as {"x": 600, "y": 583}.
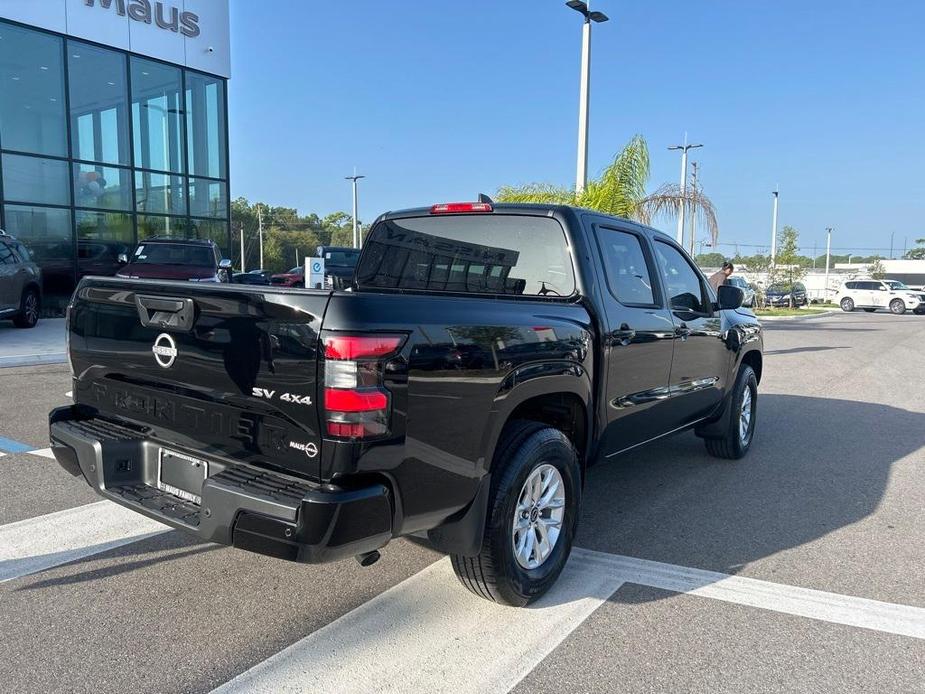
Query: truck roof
{"x": 524, "y": 208}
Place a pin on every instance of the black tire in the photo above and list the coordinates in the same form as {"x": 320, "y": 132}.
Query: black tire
{"x": 732, "y": 446}
{"x": 897, "y": 307}
{"x": 870, "y": 310}
{"x": 29, "y": 307}
{"x": 847, "y": 304}
{"x": 495, "y": 574}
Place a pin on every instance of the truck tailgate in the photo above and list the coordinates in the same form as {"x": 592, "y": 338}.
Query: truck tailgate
{"x": 221, "y": 369}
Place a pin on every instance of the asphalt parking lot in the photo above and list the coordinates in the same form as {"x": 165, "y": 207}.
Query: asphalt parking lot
{"x": 799, "y": 568}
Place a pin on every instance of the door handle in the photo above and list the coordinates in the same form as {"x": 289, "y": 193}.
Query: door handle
{"x": 624, "y": 335}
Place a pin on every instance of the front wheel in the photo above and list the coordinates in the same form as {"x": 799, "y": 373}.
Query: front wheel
{"x": 742, "y": 419}
{"x": 847, "y": 305}
{"x": 28, "y": 310}
{"x": 897, "y": 307}
{"x": 531, "y": 520}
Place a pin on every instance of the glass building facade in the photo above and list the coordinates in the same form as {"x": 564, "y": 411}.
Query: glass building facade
{"x": 100, "y": 149}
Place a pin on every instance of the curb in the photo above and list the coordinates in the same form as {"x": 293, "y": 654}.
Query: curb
{"x": 818, "y": 314}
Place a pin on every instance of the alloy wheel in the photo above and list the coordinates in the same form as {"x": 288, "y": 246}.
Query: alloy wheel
{"x": 538, "y": 516}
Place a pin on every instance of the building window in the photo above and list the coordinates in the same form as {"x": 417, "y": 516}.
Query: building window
{"x": 205, "y": 125}
{"x": 99, "y": 104}
{"x": 33, "y": 179}
{"x": 103, "y": 187}
{"x": 161, "y": 193}
{"x": 157, "y": 110}
{"x": 47, "y": 233}
{"x": 208, "y": 198}
{"x": 32, "y": 117}
{"x": 173, "y": 227}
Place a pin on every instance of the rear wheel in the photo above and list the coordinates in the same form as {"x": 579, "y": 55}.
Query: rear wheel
{"x": 532, "y": 515}
{"x": 897, "y": 306}
{"x": 847, "y": 304}
{"x": 28, "y": 314}
{"x": 742, "y": 419}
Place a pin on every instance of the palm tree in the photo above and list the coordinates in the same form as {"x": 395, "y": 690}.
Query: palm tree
{"x": 620, "y": 190}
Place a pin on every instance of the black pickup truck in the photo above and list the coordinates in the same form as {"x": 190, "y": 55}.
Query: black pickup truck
{"x": 481, "y": 359}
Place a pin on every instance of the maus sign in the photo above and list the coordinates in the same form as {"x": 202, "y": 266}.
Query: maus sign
{"x": 164, "y": 16}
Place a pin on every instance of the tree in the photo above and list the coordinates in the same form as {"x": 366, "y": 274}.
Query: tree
{"x": 710, "y": 259}
{"x": 620, "y": 190}
{"x": 876, "y": 269}
{"x": 787, "y": 269}
{"x": 917, "y": 253}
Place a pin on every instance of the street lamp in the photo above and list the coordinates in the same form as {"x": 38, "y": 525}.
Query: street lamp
{"x": 355, "y": 178}
{"x": 828, "y": 250}
{"x": 684, "y": 148}
{"x": 581, "y": 175}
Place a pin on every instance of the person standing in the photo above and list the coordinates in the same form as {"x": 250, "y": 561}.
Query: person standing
{"x": 721, "y": 276}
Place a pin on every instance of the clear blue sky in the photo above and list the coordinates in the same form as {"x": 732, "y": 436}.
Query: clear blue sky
{"x": 438, "y": 101}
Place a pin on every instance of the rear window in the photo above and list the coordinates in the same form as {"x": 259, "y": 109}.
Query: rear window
{"x": 477, "y": 254}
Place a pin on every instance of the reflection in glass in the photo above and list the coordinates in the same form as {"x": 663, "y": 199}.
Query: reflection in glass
{"x": 161, "y": 193}
{"x": 47, "y": 233}
{"x": 157, "y": 108}
{"x": 205, "y": 124}
{"x": 32, "y": 115}
{"x": 102, "y": 186}
{"x": 207, "y": 198}
{"x": 101, "y": 237}
{"x": 99, "y": 104}
{"x": 217, "y": 231}
{"x": 30, "y": 179}
{"x": 175, "y": 227}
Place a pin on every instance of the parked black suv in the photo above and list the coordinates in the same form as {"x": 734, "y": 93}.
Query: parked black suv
{"x": 782, "y": 294}
{"x": 20, "y": 283}
{"x": 481, "y": 359}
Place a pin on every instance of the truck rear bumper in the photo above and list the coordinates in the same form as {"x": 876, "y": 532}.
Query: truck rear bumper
{"x": 246, "y": 507}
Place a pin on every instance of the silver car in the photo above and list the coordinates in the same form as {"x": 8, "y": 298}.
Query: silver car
{"x": 20, "y": 283}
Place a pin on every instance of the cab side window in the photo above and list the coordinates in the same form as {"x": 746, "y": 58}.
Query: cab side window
{"x": 685, "y": 290}
{"x": 626, "y": 268}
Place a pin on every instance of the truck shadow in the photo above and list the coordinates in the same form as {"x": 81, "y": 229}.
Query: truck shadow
{"x": 816, "y": 465}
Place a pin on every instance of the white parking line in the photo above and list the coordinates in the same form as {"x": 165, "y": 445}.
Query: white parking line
{"x": 40, "y": 543}
{"x": 44, "y": 452}
{"x": 429, "y": 634}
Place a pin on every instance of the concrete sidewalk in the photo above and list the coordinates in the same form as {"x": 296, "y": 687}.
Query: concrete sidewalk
{"x": 43, "y": 344}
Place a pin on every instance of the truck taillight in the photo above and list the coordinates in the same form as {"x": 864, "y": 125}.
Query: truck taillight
{"x": 356, "y": 403}
{"x": 460, "y": 207}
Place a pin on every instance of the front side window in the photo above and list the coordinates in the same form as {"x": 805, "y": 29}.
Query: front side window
{"x": 6, "y": 255}
{"x": 685, "y": 290}
{"x": 625, "y": 266}
{"x": 518, "y": 255}
{"x": 173, "y": 254}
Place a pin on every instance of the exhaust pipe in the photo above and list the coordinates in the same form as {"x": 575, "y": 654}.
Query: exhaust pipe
{"x": 368, "y": 558}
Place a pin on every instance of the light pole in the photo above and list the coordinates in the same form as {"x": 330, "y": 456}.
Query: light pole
{"x": 828, "y": 251}
{"x": 693, "y": 206}
{"x": 581, "y": 175}
{"x": 776, "y": 195}
{"x": 684, "y": 148}
{"x": 355, "y": 178}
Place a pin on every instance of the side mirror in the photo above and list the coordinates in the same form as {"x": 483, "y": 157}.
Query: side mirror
{"x": 224, "y": 264}
{"x": 729, "y": 297}
{"x": 122, "y": 259}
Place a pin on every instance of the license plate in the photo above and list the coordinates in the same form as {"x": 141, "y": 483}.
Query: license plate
{"x": 181, "y": 475}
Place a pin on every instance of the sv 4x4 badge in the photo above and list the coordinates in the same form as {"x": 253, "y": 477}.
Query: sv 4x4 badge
{"x": 285, "y": 397}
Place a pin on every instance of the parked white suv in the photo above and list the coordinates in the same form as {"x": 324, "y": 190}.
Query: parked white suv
{"x": 873, "y": 294}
